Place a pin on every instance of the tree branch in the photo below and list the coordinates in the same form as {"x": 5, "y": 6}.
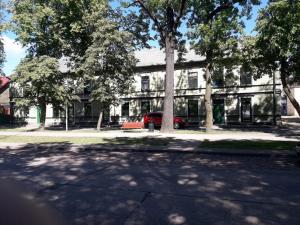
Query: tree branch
{"x": 152, "y": 16}
{"x": 226, "y": 5}
{"x": 180, "y": 14}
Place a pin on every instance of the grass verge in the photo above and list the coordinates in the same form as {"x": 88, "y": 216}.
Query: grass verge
{"x": 83, "y": 140}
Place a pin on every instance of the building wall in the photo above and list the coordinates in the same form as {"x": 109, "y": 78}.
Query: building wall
{"x": 260, "y": 91}
{"x": 4, "y": 97}
{"x": 188, "y": 100}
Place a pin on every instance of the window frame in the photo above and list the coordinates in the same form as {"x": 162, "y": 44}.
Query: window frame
{"x": 148, "y": 83}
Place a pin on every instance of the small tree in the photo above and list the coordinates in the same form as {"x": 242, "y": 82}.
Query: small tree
{"x": 108, "y": 63}
{"x": 217, "y": 26}
{"x": 40, "y": 83}
{"x": 277, "y": 43}
{"x": 166, "y": 16}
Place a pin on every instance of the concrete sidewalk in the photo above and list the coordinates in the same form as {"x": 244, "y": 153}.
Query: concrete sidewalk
{"x": 218, "y": 135}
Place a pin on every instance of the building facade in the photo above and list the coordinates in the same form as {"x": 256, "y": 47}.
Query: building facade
{"x": 237, "y": 97}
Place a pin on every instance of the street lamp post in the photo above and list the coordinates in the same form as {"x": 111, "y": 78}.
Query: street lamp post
{"x": 67, "y": 125}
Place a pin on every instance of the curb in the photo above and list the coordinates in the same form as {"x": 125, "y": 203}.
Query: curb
{"x": 161, "y": 149}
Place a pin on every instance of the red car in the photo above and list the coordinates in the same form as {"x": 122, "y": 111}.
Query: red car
{"x": 156, "y": 118}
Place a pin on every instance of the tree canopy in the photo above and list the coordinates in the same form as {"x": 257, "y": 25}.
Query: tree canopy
{"x": 277, "y": 44}
{"x": 108, "y": 63}
{"x": 216, "y": 30}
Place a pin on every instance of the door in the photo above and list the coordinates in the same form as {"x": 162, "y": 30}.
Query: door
{"x": 38, "y": 115}
{"x": 246, "y": 110}
{"x": 218, "y": 111}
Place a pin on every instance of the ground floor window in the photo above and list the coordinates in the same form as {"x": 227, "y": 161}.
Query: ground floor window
{"x": 145, "y": 107}
{"x": 284, "y": 106}
{"x": 125, "y": 109}
{"x": 87, "y": 109}
{"x": 246, "y": 110}
{"x": 193, "y": 108}
{"x": 218, "y": 111}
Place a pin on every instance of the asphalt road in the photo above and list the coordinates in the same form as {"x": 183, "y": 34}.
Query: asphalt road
{"x": 93, "y": 187}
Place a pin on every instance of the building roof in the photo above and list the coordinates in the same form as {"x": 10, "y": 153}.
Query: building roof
{"x": 4, "y": 82}
{"x": 156, "y": 56}
{"x": 146, "y": 57}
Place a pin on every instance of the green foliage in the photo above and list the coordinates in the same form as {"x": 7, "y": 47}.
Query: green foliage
{"x": 2, "y": 53}
{"x": 217, "y": 27}
{"x": 278, "y": 38}
{"x": 36, "y": 23}
{"x": 163, "y": 16}
{"x": 38, "y": 78}
{"x": 108, "y": 62}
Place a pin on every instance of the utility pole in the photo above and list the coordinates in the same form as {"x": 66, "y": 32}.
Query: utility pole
{"x": 67, "y": 127}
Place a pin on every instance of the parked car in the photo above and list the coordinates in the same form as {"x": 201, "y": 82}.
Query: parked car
{"x": 156, "y": 118}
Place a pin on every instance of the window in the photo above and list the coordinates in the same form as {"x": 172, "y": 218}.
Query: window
{"x": 218, "y": 78}
{"x": 193, "y": 80}
{"x": 284, "y": 106}
{"x": 246, "y": 111}
{"x": 192, "y": 108}
{"x": 145, "y": 84}
{"x": 125, "y": 109}
{"x": 56, "y": 112}
{"x": 87, "y": 109}
{"x": 245, "y": 77}
{"x": 87, "y": 88}
{"x": 145, "y": 107}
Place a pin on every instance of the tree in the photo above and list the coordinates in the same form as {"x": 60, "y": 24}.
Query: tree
{"x": 217, "y": 27}
{"x": 36, "y": 26}
{"x": 166, "y": 17}
{"x": 108, "y": 63}
{"x": 41, "y": 83}
{"x": 278, "y": 43}
{"x": 2, "y": 53}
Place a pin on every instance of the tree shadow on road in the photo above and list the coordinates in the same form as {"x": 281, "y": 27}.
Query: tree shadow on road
{"x": 91, "y": 186}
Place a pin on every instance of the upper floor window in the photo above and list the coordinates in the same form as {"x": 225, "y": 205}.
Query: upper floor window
{"x": 193, "y": 80}
{"x": 145, "y": 83}
{"x": 245, "y": 77}
{"x": 87, "y": 88}
{"x": 218, "y": 78}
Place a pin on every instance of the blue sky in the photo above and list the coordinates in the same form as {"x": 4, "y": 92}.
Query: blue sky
{"x": 15, "y": 52}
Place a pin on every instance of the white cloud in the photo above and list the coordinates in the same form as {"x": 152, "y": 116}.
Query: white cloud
{"x": 14, "y": 53}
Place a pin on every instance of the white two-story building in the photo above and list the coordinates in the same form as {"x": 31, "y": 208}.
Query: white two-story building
{"x": 237, "y": 98}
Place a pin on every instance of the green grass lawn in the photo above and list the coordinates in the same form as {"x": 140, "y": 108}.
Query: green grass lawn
{"x": 249, "y": 144}
{"x": 83, "y": 140}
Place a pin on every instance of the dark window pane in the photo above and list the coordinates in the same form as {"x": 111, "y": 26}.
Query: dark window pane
{"x": 125, "y": 109}
{"x": 145, "y": 85}
{"x": 218, "y": 78}
{"x": 245, "y": 77}
{"x": 87, "y": 109}
{"x": 87, "y": 88}
{"x": 145, "y": 107}
{"x": 192, "y": 108}
{"x": 193, "y": 80}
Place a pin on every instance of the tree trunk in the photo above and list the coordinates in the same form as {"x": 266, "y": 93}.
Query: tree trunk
{"x": 99, "y": 120}
{"x": 288, "y": 91}
{"x": 207, "y": 98}
{"x": 43, "y": 106}
{"x": 168, "y": 114}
